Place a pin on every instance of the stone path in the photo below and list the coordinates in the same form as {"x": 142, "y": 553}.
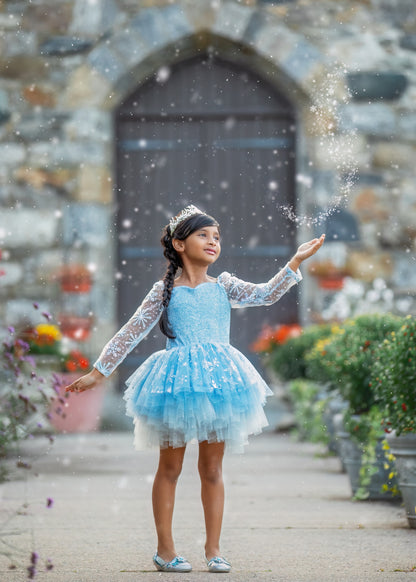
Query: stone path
{"x": 288, "y": 516}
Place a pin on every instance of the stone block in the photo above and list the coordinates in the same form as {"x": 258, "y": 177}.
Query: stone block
{"x": 86, "y": 88}
{"x": 38, "y": 96}
{"x": 91, "y": 19}
{"x": 24, "y": 68}
{"x": 20, "y": 42}
{"x": 86, "y": 224}
{"x": 47, "y": 17}
{"x": 368, "y": 266}
{"x": 22, "y": 312}
{"x": 63, "y": 46}
{"x": 394, "y": 155}
{"x": 66, "y": 154}
{"x": 104, "y": 60}
{"x": 94, "y": 185}
{"x": 130, "y": 47}
{"x": 376, "y": 85}
{"x": 406, "y": 125}
{"x": 342, "y": 153}
{"x": 373, "y": 119}
{"x": 12, "y": 274}
{"x": 40, "y": 124}
{"x": 273, "y": 41}
{"x": 301, "y": 61}
{"x": 4, "y": 107}
{"x": 160, "y": 27}
{"x": 12, "y": 154}
{"x": 201, "y": 14}
{"x": 370, "y": 205}
{"x": 38, "y": 178}
{"x": 232, "y": 20}
{"x": 89, "y": 123}
{"x": 28, "y": 228}
{"x": 408, "y": 42}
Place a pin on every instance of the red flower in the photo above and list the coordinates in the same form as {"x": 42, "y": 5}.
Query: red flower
{"x": 404, "y": 407}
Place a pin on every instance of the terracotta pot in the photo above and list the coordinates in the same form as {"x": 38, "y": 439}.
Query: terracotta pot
{"x": 74, "y": 327}
{"x": 71, "y": 412}
{"x": 75, "y": 279}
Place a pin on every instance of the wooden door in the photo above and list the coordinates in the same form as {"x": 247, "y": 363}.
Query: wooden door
{"x": 213, "y": 134}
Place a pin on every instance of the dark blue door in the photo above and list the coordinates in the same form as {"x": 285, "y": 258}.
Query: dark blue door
{"x": 209, "y": 133}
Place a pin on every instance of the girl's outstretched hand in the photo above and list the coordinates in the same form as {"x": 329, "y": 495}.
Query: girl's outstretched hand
{"x": 86, "y": 382}
{"x": 305, "y": 251}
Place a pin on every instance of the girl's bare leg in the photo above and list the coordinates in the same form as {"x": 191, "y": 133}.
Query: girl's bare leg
{"x": 212, "y": 493}
{"x": 163, "y": 497}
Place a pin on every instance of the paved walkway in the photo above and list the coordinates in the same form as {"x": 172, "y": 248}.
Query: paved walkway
{"x": 288, "y": 516}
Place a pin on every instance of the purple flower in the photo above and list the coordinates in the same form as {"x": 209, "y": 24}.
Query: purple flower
{"x": 36, "y": 305}
{"x": 49, "y": 502}
{"x": 47, "y": 315}
{"x": 34, "y": 558}
{"x": 11, "y": 329}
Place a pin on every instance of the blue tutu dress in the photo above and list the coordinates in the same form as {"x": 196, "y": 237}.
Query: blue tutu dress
{"x": 200, "y": 387}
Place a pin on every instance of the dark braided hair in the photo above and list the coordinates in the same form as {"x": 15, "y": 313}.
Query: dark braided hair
{"x": 181, "y": 232}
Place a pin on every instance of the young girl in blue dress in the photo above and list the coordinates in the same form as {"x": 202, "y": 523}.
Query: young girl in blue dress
{"x": 200, "y": 387}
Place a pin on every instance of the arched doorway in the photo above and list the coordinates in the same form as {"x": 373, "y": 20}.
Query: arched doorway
{"x": 214, "y": 134}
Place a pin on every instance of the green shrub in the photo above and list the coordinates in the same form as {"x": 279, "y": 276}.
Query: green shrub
{"x": 393, "y": 378}
{"x": 288, "y": 359}
{"x": 308, "y": 408}
{"x": 346, "y": 358}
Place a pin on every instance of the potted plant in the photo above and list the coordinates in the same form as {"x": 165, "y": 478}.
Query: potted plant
{"x": 284, "y": 349}
{"x": 345, "y": 358}
{"x": 393, "y": 380}
{"x": 62, "y": 362}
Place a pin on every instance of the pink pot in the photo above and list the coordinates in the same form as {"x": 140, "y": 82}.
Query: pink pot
{"x": 73, "y": 412}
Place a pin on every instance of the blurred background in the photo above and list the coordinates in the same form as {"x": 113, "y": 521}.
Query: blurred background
{"x": 281, "y": 119}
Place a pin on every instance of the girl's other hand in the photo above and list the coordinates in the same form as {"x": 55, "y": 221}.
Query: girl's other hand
{"x": 86, "y": 382}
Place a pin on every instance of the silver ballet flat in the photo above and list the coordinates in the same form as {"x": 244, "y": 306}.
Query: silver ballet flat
{"x": 178, "y": 564}
{"x": 218, "y": 565}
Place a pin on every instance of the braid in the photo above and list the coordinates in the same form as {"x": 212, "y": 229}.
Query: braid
{"x": 168, "y": 280}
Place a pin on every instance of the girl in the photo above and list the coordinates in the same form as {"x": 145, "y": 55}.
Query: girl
{"x": 199, "y": 387}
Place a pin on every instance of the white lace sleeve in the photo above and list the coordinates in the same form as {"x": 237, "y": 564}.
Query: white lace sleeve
{"x": 137, "y": 328}
{"x": 243, "y": 294}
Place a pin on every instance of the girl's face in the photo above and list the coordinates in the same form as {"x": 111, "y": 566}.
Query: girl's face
{"x": 202, "y": 246}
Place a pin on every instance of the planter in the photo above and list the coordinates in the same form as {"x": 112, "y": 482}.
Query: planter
{"x": 70, "y": 412}
{"x": 332, "y": 412}
{"x": 351, "y": 458}
{"x": 75, "y": 327}
{"x": 403, "y": 448}
{"x": 75, "y": 279}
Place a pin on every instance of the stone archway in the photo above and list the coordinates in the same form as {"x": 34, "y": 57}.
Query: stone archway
{"x": 158, "y": 37}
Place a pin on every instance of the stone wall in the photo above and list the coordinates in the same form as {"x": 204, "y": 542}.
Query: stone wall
{"x": 348, "y": 66}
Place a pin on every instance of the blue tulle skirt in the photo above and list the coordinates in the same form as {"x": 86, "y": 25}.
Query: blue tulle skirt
{"x": 204, "y": 392}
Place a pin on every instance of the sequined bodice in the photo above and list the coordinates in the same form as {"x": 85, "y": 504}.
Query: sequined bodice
{"x": 199, "y": 315}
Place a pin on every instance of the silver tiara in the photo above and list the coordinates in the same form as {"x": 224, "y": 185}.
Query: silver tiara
{"x": 183, "y": 215}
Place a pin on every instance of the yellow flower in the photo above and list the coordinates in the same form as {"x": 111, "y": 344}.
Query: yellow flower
{"x": 47, "y": 332}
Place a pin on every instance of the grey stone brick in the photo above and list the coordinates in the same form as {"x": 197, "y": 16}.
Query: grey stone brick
{"x": 104, "y": 60}
{"x": 376, "y": 119}
{"x": 232, "y": 20}
{"x": 86, "y": 224}
{"x": 158, "y": 27}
